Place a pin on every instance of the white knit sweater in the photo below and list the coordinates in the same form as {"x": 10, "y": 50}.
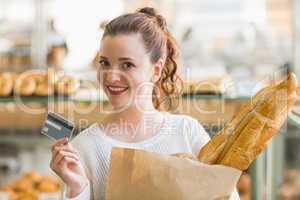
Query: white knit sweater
{"x": 180, "y": 133}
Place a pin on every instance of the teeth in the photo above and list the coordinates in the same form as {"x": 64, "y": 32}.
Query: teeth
{"x": 117, "y": 89}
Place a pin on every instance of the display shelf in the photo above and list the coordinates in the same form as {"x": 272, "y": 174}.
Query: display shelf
{"x": 23, "y": 137}
{"x": 37, "y": 99}
{"x": 48, "y": 99}
{"x": 216, "y": 96}
{"x": 101, "y": 98}
{"x": 27, "y": 136}
{"x": 257, "y": 173}
{"x": 294, "y": 119}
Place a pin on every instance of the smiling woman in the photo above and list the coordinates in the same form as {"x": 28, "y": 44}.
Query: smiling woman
{"x": 145, "y": 42}
{"x": 138, "y": 72}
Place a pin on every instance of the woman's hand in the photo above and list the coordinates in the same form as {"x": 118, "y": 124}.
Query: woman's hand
{"x": 66, "y": 164}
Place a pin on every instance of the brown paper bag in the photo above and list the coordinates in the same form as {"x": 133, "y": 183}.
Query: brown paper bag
{"x": 141, "y": 175}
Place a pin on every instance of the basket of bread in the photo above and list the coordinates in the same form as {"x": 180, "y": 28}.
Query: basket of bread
{"x": 32, "y": 186}
{"x": 37, "y": 83}
{"x": 137, "y": 174}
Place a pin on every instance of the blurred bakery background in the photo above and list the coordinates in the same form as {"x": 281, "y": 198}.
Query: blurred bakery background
{"x": 229, "y": 50}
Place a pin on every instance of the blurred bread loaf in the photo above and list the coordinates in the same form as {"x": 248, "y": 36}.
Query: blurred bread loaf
{"x": 66, "y": 85}
{"x": 30, "y": 185}
{"x": 6, "y": 83}
{"x": 39, "y": 83}
{"x": 25, "y": 84}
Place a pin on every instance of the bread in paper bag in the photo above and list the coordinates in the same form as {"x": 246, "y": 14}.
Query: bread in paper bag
{"x": 137, "y": 174}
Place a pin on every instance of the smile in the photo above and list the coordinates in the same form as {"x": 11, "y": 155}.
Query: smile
{"x": 116, "y": 90}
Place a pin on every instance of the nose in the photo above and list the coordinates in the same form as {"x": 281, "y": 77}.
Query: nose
{"x": 113, "y": 76}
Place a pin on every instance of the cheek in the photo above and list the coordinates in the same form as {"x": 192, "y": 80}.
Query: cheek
{"x": 140, "y": 84}
{"x": 137, "y": 79}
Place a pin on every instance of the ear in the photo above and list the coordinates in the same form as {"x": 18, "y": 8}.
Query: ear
{"x": 157, "y": 70}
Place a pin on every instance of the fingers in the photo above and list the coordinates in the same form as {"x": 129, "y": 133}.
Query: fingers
{"x": 185, "y": 155}
{"x": 61, "y": 154}
{"x": 62, "y": 159}
{"x": 67, "y": 148}
{"x": 60, "y": 142}
{"x": 60, "y": 166}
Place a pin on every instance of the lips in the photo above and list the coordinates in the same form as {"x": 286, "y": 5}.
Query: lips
{"x": 116, "y": 90}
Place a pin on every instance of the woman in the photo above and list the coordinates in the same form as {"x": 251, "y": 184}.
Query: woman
{"x": 137, "y": 71}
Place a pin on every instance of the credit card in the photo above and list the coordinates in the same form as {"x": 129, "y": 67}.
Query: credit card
{"x": 57, "y": 127}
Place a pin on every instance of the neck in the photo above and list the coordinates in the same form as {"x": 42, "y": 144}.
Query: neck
{"x": 137, "y": 111}
{"x": 135, "y": 114}
{"x": 140, "y": 123}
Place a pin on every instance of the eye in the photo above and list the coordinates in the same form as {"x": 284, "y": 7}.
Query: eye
{"x": 127, "y": 65}
{"x": 103, "y": 63}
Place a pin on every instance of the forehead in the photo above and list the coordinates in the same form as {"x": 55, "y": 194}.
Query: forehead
{"x": 123, "y": 45}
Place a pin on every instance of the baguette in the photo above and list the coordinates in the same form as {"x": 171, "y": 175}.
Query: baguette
{"x": 210, "y": 152}
{"x": 246, "y": 135}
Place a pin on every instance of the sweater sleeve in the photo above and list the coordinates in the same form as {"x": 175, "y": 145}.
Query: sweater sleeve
{"x": 84, "y": 195}
{"x": 234, "y": 195}
{"x": 198, "y": 136}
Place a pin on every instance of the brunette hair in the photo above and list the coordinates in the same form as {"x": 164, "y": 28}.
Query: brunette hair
{"x": 159, "y": 43}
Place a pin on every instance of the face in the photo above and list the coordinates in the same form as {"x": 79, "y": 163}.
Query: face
{"x": 126, "y": 71}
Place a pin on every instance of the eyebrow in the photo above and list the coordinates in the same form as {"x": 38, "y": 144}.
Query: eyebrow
{"x": 125, "y": 58}
{"x": 121, "y": 59}
{"x": 102, "y": 57}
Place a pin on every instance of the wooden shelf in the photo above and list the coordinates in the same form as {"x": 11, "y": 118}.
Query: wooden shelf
{"x": 14, "y": 99}
{"x": 99, "y": 98}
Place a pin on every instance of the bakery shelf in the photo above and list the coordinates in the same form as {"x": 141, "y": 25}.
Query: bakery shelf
{"x": 37, "y": 99}
{"x": 100, "y": 98}
{"x": 216, "y": 96}
{"x": 23, "y": 137}
{"x": 26, "y": 137}
{"x": 294, "y": 119}
{"x": 48, "y": 99}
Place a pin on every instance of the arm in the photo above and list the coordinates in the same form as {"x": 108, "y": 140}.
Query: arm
{"x": 67, "y": 165}
{"x": 198, "y": 137}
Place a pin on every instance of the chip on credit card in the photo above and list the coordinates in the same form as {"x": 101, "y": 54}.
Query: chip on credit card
{"x": 56, "y": 127}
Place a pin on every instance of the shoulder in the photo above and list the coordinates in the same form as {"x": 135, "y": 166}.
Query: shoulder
{"x": 192, "y": 129}
{"x": 179, "y": 117}
{"x": 189, "y": 125}
{"x": 184, "y": 120}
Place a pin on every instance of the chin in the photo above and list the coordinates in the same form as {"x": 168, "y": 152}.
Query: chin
{"x": 118, "y": 103}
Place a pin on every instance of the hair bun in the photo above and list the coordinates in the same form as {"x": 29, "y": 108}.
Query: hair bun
{"x": 148, "y": 11}
{"x": 151, "y": 12}
{"x": 161, "y": 22}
